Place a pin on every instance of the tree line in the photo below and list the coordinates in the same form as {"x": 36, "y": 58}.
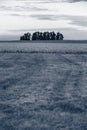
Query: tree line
{"x": 42, "y": 36}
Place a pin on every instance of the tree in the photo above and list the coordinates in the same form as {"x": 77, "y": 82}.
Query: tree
{"x": 58, "y": 36}
{"x": 34, "y": 36}
{"x": 42, "y": 36}
{"x": 61, "y": 37}
{"x": 52, "y": 36}
{"x": 26, "y": 36}
{"x": 46, "y": 36}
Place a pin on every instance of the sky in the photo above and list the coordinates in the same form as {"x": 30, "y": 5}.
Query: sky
{"x": 66, "y": 16}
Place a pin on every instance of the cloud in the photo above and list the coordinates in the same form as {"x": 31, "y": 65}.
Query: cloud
{"x": 31, "y": 5}
{"x": 21, "y": 5}
{"x": 77, "y": 20}
{"x": 23, "y": 14}
{"x": 47, "y": 17}
{"x": 76, "y": 0}
{"x": 74, "y": 22}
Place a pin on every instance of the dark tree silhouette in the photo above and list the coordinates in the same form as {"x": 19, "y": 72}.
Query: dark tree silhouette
{"x": 57, "y": 36}
{"x": 61, "y": 36}
{"x": 26, "y": 36}
{"x": 42, "y": 36}
{"x": 34, "y": 36}
{"x": 52, "y": 36}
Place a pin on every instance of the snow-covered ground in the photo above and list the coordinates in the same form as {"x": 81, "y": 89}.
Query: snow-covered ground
{"x": 43, "y": 91}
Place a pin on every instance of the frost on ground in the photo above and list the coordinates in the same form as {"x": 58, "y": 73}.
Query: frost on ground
{"x": 43, "y": 91}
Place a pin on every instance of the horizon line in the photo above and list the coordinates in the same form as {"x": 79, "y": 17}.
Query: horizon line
{"x": 44, "y": 41}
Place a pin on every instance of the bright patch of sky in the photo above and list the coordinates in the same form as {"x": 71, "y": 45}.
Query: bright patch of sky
{"x": 19, "y": 16}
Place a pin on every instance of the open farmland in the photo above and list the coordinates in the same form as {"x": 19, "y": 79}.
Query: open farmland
{"x": 43, "y": 86}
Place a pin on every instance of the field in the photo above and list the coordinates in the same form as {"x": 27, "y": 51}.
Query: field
{"x": 43, "y": 86}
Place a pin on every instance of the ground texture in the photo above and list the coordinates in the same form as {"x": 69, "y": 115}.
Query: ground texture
{"x": 43, "y": 91}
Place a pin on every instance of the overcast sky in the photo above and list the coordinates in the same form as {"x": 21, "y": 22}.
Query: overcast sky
{"x": 66, "y": 16}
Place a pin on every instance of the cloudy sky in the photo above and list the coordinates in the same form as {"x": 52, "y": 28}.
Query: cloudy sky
{"x": 66, "y": 16}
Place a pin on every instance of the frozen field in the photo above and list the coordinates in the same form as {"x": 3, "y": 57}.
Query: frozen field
{"x": 43, "y": 86}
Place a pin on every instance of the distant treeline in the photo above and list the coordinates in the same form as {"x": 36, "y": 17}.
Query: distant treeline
{"x": 42, "y": 36}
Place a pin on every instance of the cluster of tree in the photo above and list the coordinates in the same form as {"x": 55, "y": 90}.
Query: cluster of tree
{"x": 42, "y": 36}
{"x": 26, "y": 36}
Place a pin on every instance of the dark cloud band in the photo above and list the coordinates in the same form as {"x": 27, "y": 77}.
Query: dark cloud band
{"x": 76, "y": 0}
